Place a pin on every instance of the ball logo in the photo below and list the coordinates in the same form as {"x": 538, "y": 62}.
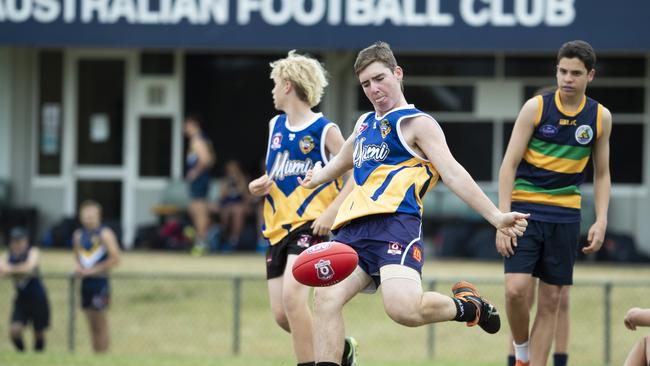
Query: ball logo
{"x": 276, "y": 141}
{"x": 324, "y": 270}
{"x": 584, "y": 134}
{"x": 319, "y": 247}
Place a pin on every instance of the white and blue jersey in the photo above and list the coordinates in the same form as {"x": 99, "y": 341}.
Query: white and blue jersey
{"x": 389, "y": 177}
{"x": 291, "y": 152}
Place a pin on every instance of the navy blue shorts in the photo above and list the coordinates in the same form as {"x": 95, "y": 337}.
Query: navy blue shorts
{"x": 32, "y": 309}
{"x": 95, "y": 293}
{"x": 547, "y": 251}
{"x": 384, "y": 239}
{"x": 199, "y": 186}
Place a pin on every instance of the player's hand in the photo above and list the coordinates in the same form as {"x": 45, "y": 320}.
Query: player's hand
{"x": 595, "y": 238}
{"x": 3, "y": 271}
{"x": 323, "y": 224}
{"x": 261, "y": 186}
{"x": 505, "y": 244}
{"x": 629, "y": 318}
{"x": 308, "y": 180}
{"x": 512, "y": 224}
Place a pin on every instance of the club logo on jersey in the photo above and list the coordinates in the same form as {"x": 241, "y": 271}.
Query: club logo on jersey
{"x": 319, "y": 247}
{"x": 324, "y": 270}
{"x": 584, "y": 134}
{"x": 276, "y": 141}
{"x": 283, "y": 167}
{"x": 394, "y": 248}
{"x": 548, "y": 130}
{"x": 364, "y": 153}
{"x": 362, "y": 127}
{"x": 307, "y": 144}
{"x": 304, "y": 241}
{"x": 384, "y": 127}
{"x": 417, "y": 254}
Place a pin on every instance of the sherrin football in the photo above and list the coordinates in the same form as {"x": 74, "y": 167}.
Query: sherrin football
{"x": 324, "y": 264}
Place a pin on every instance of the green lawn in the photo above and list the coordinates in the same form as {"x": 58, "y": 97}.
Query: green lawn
{"x": 186, "y": 316}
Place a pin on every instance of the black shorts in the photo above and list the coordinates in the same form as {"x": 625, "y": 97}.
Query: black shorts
{"x": 294, "y": 243}
{"x": 547, "y": 251}
{"x": 95, "y": 293}
{"x": 34, "y": 310}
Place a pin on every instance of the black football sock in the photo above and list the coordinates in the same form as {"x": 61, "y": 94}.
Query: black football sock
{"x": 307, "y": 364}
{"x": 560, "y": 359}
{"x": 18, "y": 342}
{"x": 346, "y": 350}
{"x": 465, "y": 310}
{"x": 511, "y": 360}
{"x": 39, "y": 344}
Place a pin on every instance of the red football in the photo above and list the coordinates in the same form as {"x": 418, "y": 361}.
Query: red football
{"x": 325, "y": 264}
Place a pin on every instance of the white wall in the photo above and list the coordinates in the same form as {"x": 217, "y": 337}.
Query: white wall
{"x": 5, "y": 111}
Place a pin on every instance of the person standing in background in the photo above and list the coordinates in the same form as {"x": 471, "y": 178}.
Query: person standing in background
{"x": 96, "y": 253}
{"x": 200, "y": 159}
{"x": 31, "y": 304}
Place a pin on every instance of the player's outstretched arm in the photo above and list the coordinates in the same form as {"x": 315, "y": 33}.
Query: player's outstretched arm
{"x": 521, "y": 133}
{"x": 340, "y": 164}
{"x": 428, "y": 137}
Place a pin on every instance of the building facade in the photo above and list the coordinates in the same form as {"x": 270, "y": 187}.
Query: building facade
{"x": 93, "y": 92}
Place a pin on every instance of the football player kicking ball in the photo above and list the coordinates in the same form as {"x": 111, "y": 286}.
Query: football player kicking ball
{"x": 397, "y": 153}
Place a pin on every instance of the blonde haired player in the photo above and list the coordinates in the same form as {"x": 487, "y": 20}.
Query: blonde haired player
{"x": 296, "y": 217}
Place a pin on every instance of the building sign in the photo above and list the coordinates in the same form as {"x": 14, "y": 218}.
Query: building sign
{"x": 327, "y": 24}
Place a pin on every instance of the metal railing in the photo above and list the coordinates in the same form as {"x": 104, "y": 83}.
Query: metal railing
{"x": 220, "y": 314}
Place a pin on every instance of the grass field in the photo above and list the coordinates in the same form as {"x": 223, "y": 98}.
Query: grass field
{"x": 186, "y": 316}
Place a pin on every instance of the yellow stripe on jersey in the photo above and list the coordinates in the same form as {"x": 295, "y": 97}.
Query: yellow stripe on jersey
{"x": 284, "y": 214}
{"x": 540, "y": 109}
{"x": 380, "y": 195}
{"x": 560, "y": 165}
{"x": 599, "y": 121}
{"x": 571, "y": 200}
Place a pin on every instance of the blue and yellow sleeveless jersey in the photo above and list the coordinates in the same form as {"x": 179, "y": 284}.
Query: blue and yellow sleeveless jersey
{"x": 291, "y": 152}
{"x": 389, "y": 177}
{"x": 92, "y": 249}
{"x": 548, "y": 179}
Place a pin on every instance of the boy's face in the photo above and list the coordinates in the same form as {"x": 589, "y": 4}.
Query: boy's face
{"x": 18, "y": 246}
{"x": 382, "y": 86}
{"x": 573, "y": 77}
{"x": 278, "y": 92}
{"x": 90, "y": 217}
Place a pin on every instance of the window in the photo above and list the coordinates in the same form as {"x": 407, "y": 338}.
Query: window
{"x": 232, "y": 93}
{"x": 446, "y": 65}
{"x": 157, "y": 63}
{"x": 625, "y": 154}
{"x": 471, "y": 144}
{"x": 50, "y": 129}
{"x": 434, "y": 98}
{"x": 155, "y": 147}
{"x": 606, "y": 67}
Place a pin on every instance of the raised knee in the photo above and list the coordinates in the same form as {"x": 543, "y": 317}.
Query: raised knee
{"x": 401, "y": 316}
